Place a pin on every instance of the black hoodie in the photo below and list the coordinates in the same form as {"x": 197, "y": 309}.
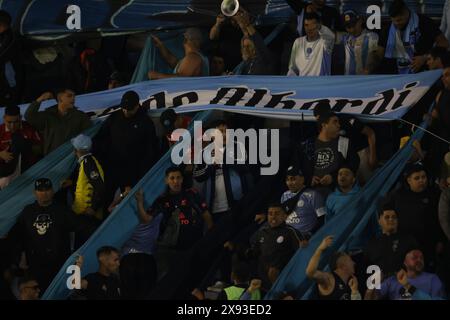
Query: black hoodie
{"x": 418, "y": 216}
{"x": 127, "y": 147}
{"x": 43, "y": 234}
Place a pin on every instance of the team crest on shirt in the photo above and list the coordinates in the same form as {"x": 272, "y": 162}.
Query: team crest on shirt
{"x": 325, "y": 157}
{"x": 300, "y": 203}
{"x": 280, "y": 239}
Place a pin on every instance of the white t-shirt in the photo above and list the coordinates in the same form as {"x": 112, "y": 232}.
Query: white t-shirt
{"x": 312, "y": 58}
{"x": 220, "y": 203}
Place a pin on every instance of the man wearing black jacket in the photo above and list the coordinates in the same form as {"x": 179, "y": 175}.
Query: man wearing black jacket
{"x": 42, "y": 232}
{"x": 273, "y": 245}
{"x": 417, "y": 207}
{"x": 388, "y": 250}
{"x": 126, "y": 145}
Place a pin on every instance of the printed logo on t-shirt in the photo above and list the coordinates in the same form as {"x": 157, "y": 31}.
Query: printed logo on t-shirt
{"x": 42, "y": 224}
{"x": 280, "y": 239}
{"x": 325, "y": 157}
{"x": 293, "y": 218}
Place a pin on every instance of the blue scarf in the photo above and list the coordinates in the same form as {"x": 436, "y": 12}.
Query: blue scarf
{"x": 409, "y": 39}
{"x": 350, "y": 55}
{"x": 300, "y": 23}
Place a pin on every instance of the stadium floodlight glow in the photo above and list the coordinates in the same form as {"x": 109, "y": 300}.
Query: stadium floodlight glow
{"x": 229, "y": 7}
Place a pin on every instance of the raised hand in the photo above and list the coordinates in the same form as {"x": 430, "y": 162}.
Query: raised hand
{"x": 45, "y": 96}
{"x": 326, "y": 243}
{"x": 158, "y": 43}
{"x": 139, "y": 195}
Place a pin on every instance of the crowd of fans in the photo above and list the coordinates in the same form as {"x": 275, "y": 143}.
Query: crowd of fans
{"x": 221, "y": 231}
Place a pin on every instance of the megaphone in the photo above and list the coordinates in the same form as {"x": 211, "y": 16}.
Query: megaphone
{"x": 229, "y": 7}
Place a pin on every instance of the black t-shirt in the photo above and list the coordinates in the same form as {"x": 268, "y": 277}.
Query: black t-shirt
{"x": 101, "y": 287}
{"x": 190, "y": 206}
{"x": 351, "y": 128}
{"x": 327, "y": 158}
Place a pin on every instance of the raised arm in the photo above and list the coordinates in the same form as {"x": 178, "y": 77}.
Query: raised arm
{"x": 144, "y": 218}
{"x": 322, "y": 278}
{"x": 33, "y": 116}
{"x": 167, "y": 55}
{"x": 214, "y": 33}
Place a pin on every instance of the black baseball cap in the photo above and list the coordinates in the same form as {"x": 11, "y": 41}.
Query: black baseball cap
{"x": 12, "y": 110}
{"x": 413, "y": 168}
{"x": 321, "y": 109}
{"x": 130, "y": 100}
{"x": 42, "y": 184}
{"x": 350, "y": 17}
{"x": 294, "y": 171}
